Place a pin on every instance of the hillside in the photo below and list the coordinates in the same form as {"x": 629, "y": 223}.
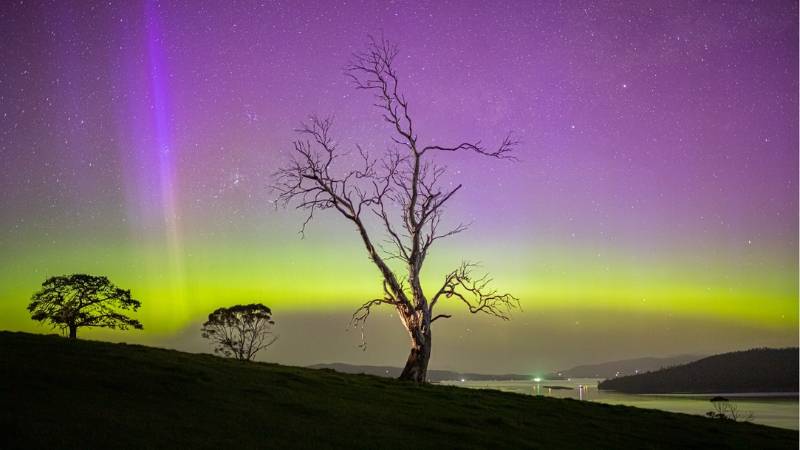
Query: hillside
{"x": 62, "y": 393}
{"x": 433, "y": 375}
{"x": 757, "y": 370}
{"x": 622, "y": 368}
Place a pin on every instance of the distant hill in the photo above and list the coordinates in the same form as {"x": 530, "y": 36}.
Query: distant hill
{"x": 622, "y": 368}
{"x": 756, "y": 370}
{"x": 605, "y": 370}
{"x": 433, "y": 375}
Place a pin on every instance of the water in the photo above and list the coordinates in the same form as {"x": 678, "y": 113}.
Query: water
{"x": 776, "y": 410}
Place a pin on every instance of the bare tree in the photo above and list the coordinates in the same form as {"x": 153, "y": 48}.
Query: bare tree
{"x": 738, "y": 415}
{"x": 402, "y": 190}
{"x": 723, "y": 409}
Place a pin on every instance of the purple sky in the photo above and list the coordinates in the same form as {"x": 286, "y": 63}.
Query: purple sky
{"x": 659, "y": 164}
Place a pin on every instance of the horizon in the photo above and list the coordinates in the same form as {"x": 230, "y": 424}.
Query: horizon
{"x": 654, "y": 211}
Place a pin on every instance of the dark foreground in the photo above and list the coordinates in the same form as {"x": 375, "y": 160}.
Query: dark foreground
{"x": 56, "y": 393}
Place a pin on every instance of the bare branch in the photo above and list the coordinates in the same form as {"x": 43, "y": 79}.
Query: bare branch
{"x": 372, "y": 70}
{"x": 361, "y": 315}
{"x": 477, "y": 295}
{"x": 502, "y": 152}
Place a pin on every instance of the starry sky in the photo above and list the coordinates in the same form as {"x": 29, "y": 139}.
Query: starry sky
{"x": 653, "y": 212}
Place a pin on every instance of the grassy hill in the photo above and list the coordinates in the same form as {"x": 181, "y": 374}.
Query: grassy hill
{"x": 756, "y": 370}
{"x": 61, "y": 393}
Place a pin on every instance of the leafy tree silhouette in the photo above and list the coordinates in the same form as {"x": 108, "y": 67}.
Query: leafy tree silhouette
{"x": 240, "y": 330}
{"x": 73, "y": 301}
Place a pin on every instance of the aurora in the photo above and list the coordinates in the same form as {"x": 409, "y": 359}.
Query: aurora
{"x": 653, "y": 211}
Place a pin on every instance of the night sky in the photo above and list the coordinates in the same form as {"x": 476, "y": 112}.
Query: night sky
{"x": 653, "y": 212}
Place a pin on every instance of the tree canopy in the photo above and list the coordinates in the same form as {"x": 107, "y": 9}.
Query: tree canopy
{"x": 240, "y": 331}
{"x": 69, "y": 302}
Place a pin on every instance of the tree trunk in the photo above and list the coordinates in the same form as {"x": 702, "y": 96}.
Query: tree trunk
{"x": 73, "y": 332}
{"x": 417, "y": 365}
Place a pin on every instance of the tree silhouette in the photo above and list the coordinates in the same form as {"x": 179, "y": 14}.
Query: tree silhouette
{"x": 240, "y": 330}
{"x": 73, "y": 301}
{"x": 401, "y": 189}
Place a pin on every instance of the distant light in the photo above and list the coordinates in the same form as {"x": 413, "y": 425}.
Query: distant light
{"x": 537, "y": 379}
{"x": 462, "y": 380}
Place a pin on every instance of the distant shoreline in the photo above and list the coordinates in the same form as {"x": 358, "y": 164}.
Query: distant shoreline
{"x": 730, "y": 394}
{"x": 762, "y": 370}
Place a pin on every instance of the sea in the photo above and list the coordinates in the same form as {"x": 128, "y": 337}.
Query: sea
{"x": 772, "y": 409}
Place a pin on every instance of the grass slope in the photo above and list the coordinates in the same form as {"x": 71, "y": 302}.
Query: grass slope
{"x": 58, "y": 393}
{"x": 756, "y": 370}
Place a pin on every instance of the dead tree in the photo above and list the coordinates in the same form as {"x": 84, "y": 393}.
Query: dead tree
{"x": 402, "y": 190}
